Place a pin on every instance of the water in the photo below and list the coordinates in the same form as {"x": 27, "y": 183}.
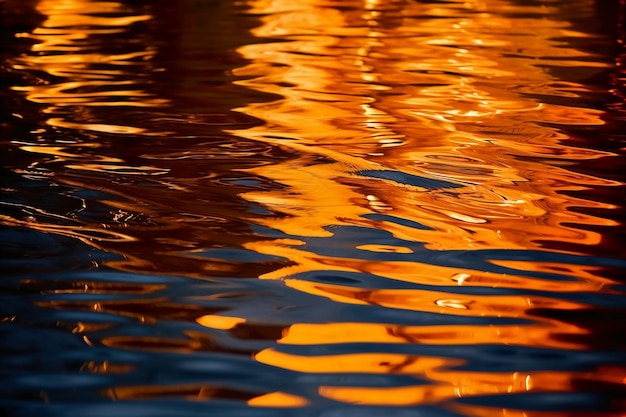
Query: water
{"x": 312, "y": 208}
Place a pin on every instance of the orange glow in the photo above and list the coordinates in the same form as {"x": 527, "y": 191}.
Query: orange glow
{"x": 582, "y": 278}
{"x": 278, "y": 399}
{"x": 428, "y": 146}
{"x": 445, "y": 383}
{"x": 544, "y": 335}
{"x": 97, "y": 127}
{"x": 359, "y": 94}
{"x": 471, "y": 133}
{"x": 363, "y": 94}
{"x": 385, "y": 248}
{"x": 380, "y": 363}
{"x": 68, "y": 48}
{"x": 219, "y": 322}
{"x": 62, "y": 152}
{"x": 396, "y": 396}
{"x": 435, "y": 301}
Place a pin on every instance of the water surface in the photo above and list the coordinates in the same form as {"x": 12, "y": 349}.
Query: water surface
{"x": 312, "y": 208}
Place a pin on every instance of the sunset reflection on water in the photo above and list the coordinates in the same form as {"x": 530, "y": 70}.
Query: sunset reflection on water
{"x": 356, "y": 206}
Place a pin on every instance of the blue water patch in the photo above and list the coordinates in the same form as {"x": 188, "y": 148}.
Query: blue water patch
{"x": 342, "y": 244}
{"x": 398, "y": 220}
{"x": 306, "y": 308}
{"x": 407, "y": 179}
{"x": 29, "y": 251}
{"x": 369, "y": 281}
{"x": 238, "y": 254}
{"x": 216, "y": 407}
{"x": 578, "y": 402}
{"x": 475, "y": 358}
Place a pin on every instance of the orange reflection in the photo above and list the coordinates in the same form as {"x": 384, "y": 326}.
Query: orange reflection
{"x": 356, "y": 362}
{"x": 544, "y": 335}
{"x": 71, "y": 47}
{"x": 435, "y": 301}
{"x": 366, "y": 90}
{"x": 355, "y": 92}
{"x": 448, "y": 105}
{"x": 394, "y": 396}
{"x": 278, "y": 399}
{"x": 362, "y": 89}
{"x": 219, "y": 322}
{"x": 421, "y": 89}
{"x": 581, "y": 278}
{"x": 206, "y": 393}
{"x": 445, "y": 383}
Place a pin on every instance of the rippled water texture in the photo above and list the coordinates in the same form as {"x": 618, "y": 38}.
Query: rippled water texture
{"x": 312, "y": 208}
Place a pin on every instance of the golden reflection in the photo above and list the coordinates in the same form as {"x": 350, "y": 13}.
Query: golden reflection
{"x": 422, "y": 89}
{"x": 451, "y": 100}
{"x": 543, "y": 335}
{"x": 385, "y": 248}
{"x": 355, "y": 363}
{"x": 578, "y": 278}
{"x": 90, "y": 62}
{"x": 197, "y": 392}
{"x": 444, "y": 381}
{"x": 96, "y": 127}
{"x": 61, "y": 152}
{"x": 441, "y": 302}
{"x": 75, "y": 46}
{"x": 408, "y": 120}
{"x": 219, "y": 322}
{"x": 278, "y": 399}
{"x": 353, "y": 84}
{"x": 390, "y": 396}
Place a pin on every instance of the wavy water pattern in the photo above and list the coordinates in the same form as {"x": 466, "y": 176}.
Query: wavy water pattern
{"x": 312, "y": 207}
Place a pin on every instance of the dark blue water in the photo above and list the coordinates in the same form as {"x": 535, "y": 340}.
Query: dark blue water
{"x": 312, "y": 208}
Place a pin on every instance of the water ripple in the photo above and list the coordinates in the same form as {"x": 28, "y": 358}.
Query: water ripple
{"x": 319, "y": 208}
